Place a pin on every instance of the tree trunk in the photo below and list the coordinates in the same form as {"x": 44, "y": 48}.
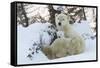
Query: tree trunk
{"x": 25, "y": 22}
{"x": 52, "y": 14}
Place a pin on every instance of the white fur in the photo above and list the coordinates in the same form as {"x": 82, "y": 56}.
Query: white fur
{"x": 71, "y": 43}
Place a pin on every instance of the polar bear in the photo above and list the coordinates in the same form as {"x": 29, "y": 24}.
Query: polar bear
{"x": 71, "y": 44}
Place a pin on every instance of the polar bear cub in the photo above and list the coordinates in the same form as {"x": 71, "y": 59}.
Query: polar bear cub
{"x": 70, "y": 44}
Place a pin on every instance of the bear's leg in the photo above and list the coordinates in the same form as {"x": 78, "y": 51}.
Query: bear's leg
{"x": 47, "y": 50}
{"x": 76, "y": 46}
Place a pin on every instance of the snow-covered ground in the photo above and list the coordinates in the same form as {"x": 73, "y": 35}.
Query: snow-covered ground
{"x": 27, "y": 36}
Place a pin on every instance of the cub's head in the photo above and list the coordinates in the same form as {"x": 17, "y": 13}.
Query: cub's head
{"x": 61, "y": 20}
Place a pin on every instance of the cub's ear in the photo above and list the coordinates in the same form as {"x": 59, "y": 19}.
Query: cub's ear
{"x": 56, "y": 14}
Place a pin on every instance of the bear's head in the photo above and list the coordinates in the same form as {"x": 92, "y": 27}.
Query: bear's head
{"x": 61, "y": 20}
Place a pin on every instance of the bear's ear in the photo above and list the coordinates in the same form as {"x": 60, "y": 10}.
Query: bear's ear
{"x": 56, "y": 14}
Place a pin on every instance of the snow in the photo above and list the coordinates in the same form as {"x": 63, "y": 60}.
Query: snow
{"x": 84, "y": 27}
{"x": 35, "y": 10}
{"x": 27, "y": 36}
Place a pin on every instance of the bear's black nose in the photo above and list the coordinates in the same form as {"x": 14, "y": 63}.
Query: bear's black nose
{"x": 59, "y": 23}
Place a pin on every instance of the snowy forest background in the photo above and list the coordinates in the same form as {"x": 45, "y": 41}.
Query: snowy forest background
{"x": 34, "y": 28}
